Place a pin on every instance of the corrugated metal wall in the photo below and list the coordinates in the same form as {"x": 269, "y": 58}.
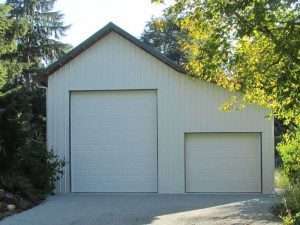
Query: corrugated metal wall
{"x": 184, "y": 105}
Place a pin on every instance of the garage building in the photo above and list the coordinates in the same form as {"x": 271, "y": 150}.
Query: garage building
{"x": 127, "y": 119}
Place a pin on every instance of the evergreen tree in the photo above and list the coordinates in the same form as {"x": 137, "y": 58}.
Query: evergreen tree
{"x": 164, "y": 34}
{"x": 40, "y": 46}
{"x": 23, "y": 154}
{"x": 10, "y": 31}
{"x": 22, "y": 121}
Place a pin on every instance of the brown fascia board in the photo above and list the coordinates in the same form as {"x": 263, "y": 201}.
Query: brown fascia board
{"x": 110, "y": 27}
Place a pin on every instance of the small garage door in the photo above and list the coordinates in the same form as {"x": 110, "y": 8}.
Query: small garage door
{"x": 113, "y": 141}
{"x": 223, "y": 162}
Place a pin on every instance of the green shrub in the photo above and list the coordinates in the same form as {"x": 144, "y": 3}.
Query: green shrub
{"x": 40, "y": 166}
{"x": 291, "y": 220}
{"x": 289, "y": 150}
{"x": 289, "y": 208}
{"x": 19, "y": 185}
{"x": 34, "y": 171}
{"x": 280, "y": 179}
{"x": 291, "y": 199}
{"x": 288, "y": 220}
{"x": 297, "y": 219}
{"x": 26, "y": 166}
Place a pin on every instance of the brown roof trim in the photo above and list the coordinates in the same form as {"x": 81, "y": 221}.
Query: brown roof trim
{"x": 110, "y": 27}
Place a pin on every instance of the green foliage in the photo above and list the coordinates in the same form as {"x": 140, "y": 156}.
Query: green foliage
{"x": 34, "y": 174}
{"x": 248, "y": 46}
{"x": 280, "y": 179}
{"x": 10, "y": 129}
{"x": 291, "y": 200}
{"x": 40, "y": 45}
{"x": 288, "y": 220}
{"x": 18, "y": 184}
{"x": 13, "y": 131}
{"x": 289, "y": 208}
{"x": 26, "y": 166}
{"x": 40, "y": 166}
{"x": 251, "y": 48}
{"x": 163, "y": 34}
{"x": 289, "y": 151}
{"x": 10, "y": 30}
{"x": 18, "y": 123}
{"x": 30, "y": 32}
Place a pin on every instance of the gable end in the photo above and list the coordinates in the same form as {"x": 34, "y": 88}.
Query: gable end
{"x": 110, "y": 27}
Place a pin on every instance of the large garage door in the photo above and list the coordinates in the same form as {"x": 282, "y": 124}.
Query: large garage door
{"x": 113, "y": 141}
{"x": 223, "y": 162}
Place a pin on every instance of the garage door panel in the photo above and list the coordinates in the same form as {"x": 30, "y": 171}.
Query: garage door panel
{"x": 119, "y": 130}
{"x": 210, "y": 185}
{"x": 114, "y": 141}
{"x": 86, "y": 172}
{"x": 225, "y": 168}
{"x": 223, "y": 162}
{"x": 126, "y": 168}
{"x": 108, "y": 184}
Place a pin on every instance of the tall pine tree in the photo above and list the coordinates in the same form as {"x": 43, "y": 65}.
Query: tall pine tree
{"x": 10, "y": 31}
{"x": 164, "y": 34}
{"x": 39, "y": 47}
{"x": 41, "y": 44}
{"x": 22, "y": 121}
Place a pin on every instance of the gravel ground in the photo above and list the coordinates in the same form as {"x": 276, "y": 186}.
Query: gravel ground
{"x": 142, "y": 209}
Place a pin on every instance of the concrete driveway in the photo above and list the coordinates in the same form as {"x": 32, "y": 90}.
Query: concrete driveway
{"x": 141, "y": 209}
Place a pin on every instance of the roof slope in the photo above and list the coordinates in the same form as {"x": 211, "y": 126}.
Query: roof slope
{"x": 110, "y": 27}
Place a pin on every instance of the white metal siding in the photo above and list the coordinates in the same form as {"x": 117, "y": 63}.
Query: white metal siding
{"x": 114, "y": 141}
{"x": 184, "y": 105}
{"x": 223, "y": 162}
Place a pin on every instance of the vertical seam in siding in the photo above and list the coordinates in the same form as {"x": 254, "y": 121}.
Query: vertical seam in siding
{"x": 70, "y": 154}
{"x": 65, "y": 129}
{"x": 184, "y": 158}
{"x": 261, "y": 162}
{"x": 157, "y": 157}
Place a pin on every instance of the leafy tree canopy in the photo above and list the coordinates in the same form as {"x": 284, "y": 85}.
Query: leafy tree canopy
{"x": 247, "y": 46}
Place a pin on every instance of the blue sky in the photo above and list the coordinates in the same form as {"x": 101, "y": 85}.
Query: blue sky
{"x": 88, "y": 16}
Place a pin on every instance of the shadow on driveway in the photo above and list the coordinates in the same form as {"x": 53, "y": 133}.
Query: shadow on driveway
{"x": 141, "y": 209}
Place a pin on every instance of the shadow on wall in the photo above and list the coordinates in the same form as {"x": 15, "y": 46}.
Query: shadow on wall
{"x": 142, "y": 209}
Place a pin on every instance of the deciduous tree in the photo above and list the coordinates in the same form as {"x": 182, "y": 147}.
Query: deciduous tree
{"x": 248, "y": 46}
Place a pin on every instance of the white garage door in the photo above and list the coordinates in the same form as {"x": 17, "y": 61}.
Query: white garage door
{"x": 113, "y": 141}
{"x": 223, "y": 162}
